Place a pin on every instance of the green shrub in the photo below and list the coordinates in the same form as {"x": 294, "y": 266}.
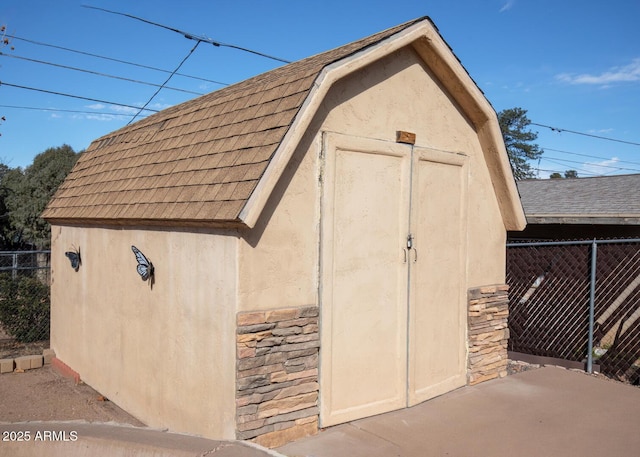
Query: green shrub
{"x": 24, "y": 308}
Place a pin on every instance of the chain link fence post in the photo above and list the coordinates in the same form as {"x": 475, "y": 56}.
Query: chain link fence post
{"x": 592, "y": 304}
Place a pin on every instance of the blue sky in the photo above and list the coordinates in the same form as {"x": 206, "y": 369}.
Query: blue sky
{"x": 573, "y": 65}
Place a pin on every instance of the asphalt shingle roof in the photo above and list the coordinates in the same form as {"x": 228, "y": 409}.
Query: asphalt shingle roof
{"x": 198, "y": 161}
{"x": 603, "y": 196}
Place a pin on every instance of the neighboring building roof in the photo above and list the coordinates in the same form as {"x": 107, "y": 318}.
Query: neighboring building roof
{"x": 215, "y": 159}
{"x": 598, "y": 200}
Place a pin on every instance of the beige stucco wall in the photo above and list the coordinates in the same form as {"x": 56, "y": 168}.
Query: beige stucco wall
{"x": 400, "y": 93}
{"x": 278, "y": 260}
{"x": 167, "y": 354}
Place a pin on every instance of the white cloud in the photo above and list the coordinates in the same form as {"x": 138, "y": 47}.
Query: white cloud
{"x": 507, "y": 5}
{"x": 159, "y": 106}
{"x": 602, "y": 167}
{"x": 600, "y": 131}
{"x": 626, "y": 73}
{"x": 123, "y": 109}
{"x": 102, "y": 117}
{"x": 96, "y": 106}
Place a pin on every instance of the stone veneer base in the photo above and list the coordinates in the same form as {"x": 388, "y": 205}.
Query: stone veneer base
{"x": 277, "y": 375}
{"x": 488, "y": 333}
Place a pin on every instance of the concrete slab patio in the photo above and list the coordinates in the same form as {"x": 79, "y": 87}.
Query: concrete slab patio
{"x": 545, "y": 412}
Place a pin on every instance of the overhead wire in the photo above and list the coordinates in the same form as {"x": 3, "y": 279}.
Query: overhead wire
{"x": 191, "y": 36}
{"x": 199, "y": 39}
{"x": 556, "y": 160}
{"x": 67, "y": 67}
{"x": 61, "y": 110}
{"x": 112, "y": 59}
{"x": 167, "y": 80}
{"x": 583, "y": 172}
{"x": 17, "y": 86}
{"x": 588, "y": 155}
{"x": 560, "y": 130}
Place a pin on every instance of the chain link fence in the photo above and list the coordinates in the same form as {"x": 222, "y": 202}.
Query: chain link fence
{"x": 577, "y": 301}
{"x": 24, "y": 302}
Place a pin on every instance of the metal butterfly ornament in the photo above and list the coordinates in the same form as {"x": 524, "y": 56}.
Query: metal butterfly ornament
{"x": 74, "y": 258}
{"x": 145, "y": 267}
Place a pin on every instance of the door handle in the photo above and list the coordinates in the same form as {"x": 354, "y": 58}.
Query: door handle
{"x": 404, "y": 251}
{"x": 415, "y": 255}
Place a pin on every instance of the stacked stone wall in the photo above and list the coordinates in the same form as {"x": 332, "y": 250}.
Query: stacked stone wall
{"x": 488, "y": 333}
{"x": 277, "y": 375}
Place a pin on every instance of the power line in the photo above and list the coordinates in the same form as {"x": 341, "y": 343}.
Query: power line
{"x": 170, "y": 76}
{"x": 190, "y": 36}
{"x": 73, "y": 96}
{"x": 39, "y": 43}
{"x": 67, "y": 67}
{"x": 556, "y": 171}
{"x": 34, "y": 108}
{"x": 581, "y": 170}
{"x": 587, "y": 155}
{"x": 559, "y": 130}
{"x": 555, "y": 160}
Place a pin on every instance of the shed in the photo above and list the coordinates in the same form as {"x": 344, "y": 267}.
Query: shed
{"x": 580, "y": 208}
{"x": 328, "y": 241}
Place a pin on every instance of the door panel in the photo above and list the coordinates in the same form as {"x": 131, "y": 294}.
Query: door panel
{"x": 393, "y": 320}
{"x": 364, "y": 279}
{"x": 437, "y": 312}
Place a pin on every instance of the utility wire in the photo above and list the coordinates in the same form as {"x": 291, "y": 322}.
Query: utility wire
{"x": 557, "y": 129}
{"x": 39, "y": 43}
{"x": 60, "y": 110}
{"x": 556, "y": 160}
{"x": 587, "y": 155}
{"x": 67, "y": 67}
{"x": 581, "y": 170}
{"x": 170, "y": 76}
{"x": 190, "y": 36}
{"x": 73, "y": 96}
{"x": 556, "y": 171}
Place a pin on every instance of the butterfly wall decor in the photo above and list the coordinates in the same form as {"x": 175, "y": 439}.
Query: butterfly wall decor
{"x": 145, "y": 267}
{"x": 74, "y": 257}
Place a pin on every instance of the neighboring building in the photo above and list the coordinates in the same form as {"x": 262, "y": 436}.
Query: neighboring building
{"x": 580, "y": 208}
{"x": 325, "y": 237}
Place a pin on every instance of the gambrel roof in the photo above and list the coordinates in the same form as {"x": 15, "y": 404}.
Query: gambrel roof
{"x": 215, "y": 159}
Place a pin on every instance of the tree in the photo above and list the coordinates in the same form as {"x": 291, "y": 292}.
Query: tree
{"x": 30, "y": 190}
{"x": 518, "y": 141}
{"x": 4, "y": 214}
{"x": 567, "y": 174}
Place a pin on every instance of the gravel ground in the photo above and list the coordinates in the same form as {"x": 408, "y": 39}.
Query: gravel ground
{"x": 43, "y": 395}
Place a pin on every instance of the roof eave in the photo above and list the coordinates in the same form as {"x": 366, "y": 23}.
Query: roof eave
{"x": 97, "y": 222}
{"x": 584, "y": 219}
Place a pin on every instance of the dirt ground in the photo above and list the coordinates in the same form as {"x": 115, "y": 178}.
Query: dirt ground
{"x": 42, "y": 394}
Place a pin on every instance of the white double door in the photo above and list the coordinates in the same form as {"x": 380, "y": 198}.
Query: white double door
{"x": 393, "y": 281}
